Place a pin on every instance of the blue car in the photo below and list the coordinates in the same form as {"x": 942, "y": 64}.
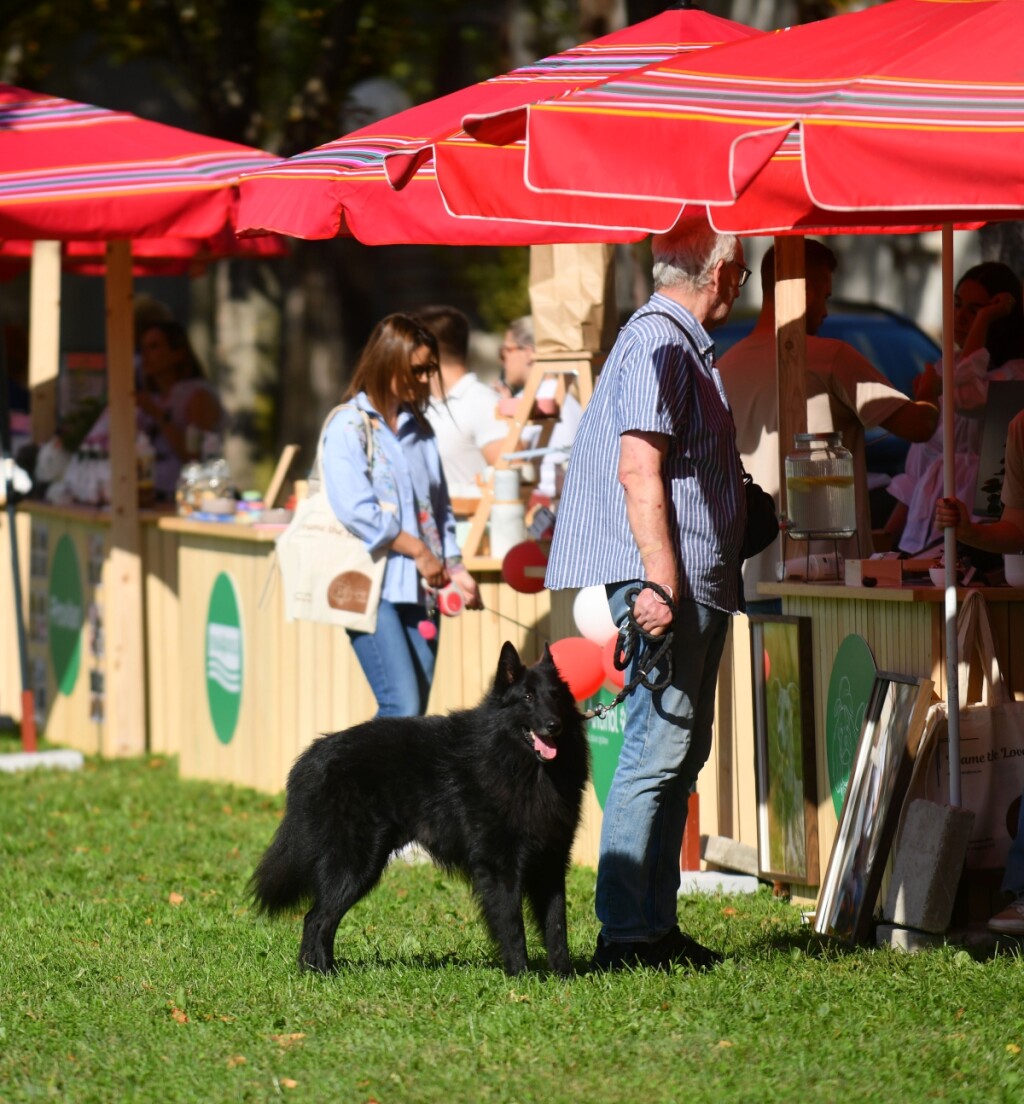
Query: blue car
{"x": 894, "y": 344}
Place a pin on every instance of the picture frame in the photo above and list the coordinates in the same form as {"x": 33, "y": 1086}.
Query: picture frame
{"x": 890, "y": 736}
{"x": 784, "y": 756}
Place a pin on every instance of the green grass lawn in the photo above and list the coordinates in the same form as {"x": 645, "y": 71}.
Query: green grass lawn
{"x": 132, "y": 968}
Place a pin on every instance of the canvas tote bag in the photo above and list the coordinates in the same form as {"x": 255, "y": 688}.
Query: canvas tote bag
{"x": 991, "y": 746}
{"x": 327, "y": 573}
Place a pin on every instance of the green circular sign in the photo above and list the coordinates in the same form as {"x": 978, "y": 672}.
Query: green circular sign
{"x": 224, "y": 657}
{"x": 849, "y": 687}
{"x": 65, "y": 614}
{"x": 605, "y": 737}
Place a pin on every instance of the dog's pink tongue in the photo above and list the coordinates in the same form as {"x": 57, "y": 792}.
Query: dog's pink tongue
{"x": 542, "y": 748}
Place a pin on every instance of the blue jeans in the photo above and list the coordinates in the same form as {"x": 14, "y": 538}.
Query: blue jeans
{"x": 666, "y": 741}
{"x": 1013, "y": 879}
{"x": 397, "y": 661}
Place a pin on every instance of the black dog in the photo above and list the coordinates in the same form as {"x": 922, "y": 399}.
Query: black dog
{"x": 493, "y": 792}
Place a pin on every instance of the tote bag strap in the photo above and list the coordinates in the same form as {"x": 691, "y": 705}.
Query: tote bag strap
{"x": 974, "y": 637}
{"x": 316, "y": 474}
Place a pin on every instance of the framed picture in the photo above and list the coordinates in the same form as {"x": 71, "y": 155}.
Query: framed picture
{"x": 787, "y": 800}
{"x": 889, "y": 739}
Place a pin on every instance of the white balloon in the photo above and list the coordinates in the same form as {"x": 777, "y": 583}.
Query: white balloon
{"x": 592, "y": 616}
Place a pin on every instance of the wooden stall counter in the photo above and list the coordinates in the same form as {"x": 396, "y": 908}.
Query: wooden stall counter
{"x": 238, "y": 693}
{"x": 69, "y": 592}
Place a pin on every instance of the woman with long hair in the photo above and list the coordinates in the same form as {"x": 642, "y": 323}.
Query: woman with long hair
{"x": 397, "y": 500}
{"x": 988, "y": 332}
{"x": 180, "y": 403}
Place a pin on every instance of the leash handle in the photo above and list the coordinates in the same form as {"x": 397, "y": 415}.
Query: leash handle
{"x": 631, "y": 636}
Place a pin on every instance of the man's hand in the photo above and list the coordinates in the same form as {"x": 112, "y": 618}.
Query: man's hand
{"x": 652, "y": 613}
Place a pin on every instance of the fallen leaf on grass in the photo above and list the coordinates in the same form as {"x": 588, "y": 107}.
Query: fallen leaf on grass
{"x": 178, "y": 1016}
{"x": 288, "y": 1040}
{"x": 175, "y": 899}
{"x": 730, "y": 911}
{"x": 518, "y": 998}
{"x": 237, "y": 1060}
{"x": 1012, "y": 1048}
{"x": 722, "y": 1044}
{"x": 288, "y": 1083}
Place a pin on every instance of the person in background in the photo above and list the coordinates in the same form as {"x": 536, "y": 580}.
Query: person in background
{"x": 462, "y": 411}
{"x": 397, "y": 501}
{"x": 518, "y": 353}
{"x": 988, "y": 332}
{"x": 845, "y": 393}
{"x": 181, "y": 405}
{"x": 1005, "y": 535}
{"x": 654, "y": 493}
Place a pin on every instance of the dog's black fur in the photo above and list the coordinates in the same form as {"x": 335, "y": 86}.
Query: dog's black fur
{"x": 493, "y": 792}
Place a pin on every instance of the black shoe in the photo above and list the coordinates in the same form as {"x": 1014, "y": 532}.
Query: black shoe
{"x": 677, "y": 948}
{"x": 674, "y": 948}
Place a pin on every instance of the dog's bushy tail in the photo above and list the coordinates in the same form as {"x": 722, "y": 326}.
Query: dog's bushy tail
{"x": 281, "y": 880}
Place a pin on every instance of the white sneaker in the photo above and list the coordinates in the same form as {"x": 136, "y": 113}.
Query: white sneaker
{"x": 1011, "y": 920}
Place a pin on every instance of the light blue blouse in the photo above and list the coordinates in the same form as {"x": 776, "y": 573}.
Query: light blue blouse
{"x": 404, "y": 473}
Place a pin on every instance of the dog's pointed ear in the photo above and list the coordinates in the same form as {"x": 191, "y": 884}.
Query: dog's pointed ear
{"x": 510, "y": 666}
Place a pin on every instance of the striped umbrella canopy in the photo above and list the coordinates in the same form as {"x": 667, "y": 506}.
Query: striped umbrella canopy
{"x": 348, "y": 186}
{"x": 906, "y": 110}
{"x": 73, "y": 171}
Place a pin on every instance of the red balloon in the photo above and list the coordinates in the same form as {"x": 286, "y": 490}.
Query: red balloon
{"x": 611, "y": 673}
{"x": 523, "y": 567}
{"x": 580, "y": 664}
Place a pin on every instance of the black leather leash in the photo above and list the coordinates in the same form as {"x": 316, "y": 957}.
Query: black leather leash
{"x": 630, "y": 638}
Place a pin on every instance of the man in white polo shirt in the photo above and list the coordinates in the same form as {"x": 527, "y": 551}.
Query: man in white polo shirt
{"x": 463, "y": 414}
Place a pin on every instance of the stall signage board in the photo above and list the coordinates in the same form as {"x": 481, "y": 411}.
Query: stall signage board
{"x": 849, "y": 688}
{"x": 604, "y": 735}
{"x": 65, "y": 614}
{"x": 224, "y": 657}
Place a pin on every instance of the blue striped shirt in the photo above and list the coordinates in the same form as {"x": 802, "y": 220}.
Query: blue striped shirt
{"x": 653, "y": 382}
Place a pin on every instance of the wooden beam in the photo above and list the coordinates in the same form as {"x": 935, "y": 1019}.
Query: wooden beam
{"x": 125, "y": 724}
{"x": 44, "y": 338}
{"x": 790, "y": 347}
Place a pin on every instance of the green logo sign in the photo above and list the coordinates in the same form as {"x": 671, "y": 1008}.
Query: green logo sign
{"x": 65, "y": 614}
{"x": 605, "y": 737}
{"x": 224, "y": 657}
{"x": 849, "y": 687}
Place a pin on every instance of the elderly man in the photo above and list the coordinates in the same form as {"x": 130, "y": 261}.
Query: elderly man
{"x": 654, "y": 495}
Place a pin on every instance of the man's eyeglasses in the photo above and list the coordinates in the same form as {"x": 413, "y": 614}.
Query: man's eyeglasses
{"x": 744, "y": 272}
{"x": 425, "y": 370}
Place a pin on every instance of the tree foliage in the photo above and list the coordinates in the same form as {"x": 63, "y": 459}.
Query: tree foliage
{"x": 273, "y": 73}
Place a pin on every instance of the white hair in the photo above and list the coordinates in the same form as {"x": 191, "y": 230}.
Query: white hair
{"x": 688, "y": 254}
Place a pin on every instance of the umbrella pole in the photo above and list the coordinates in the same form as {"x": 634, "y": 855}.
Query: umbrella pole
{"x": 28, "y": 705}
{"x": 949, "y": 536}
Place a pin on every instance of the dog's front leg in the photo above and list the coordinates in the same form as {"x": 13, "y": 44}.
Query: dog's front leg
{"x": 546, "y": 891}
{"x": 501, "y": 898}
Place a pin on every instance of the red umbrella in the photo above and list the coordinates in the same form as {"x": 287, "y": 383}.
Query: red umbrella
{"x": 75, "y": 171}
{"x": 908, "y": 108}
{"x": 346, "y": 186}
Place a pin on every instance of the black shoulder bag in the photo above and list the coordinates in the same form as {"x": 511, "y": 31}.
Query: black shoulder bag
{"x": 762, "y": 520}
